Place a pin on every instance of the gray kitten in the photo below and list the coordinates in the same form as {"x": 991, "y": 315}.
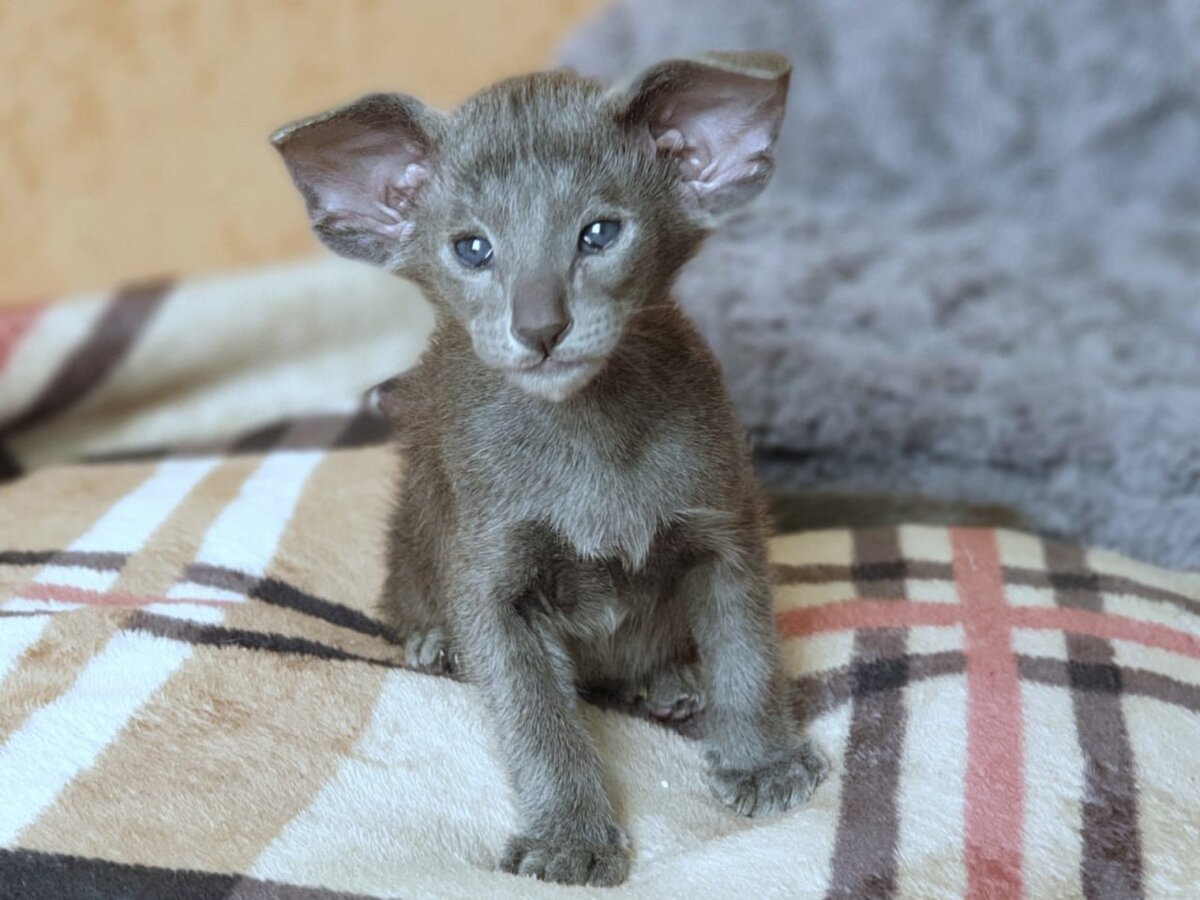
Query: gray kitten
{"x": 578, "y": 511}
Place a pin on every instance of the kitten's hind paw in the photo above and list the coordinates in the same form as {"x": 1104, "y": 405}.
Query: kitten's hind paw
{"x": 673, "y": 694}
{"x": 431, "y": 651}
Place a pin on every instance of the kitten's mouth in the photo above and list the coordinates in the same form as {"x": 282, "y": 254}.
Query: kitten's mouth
{"x": 555, "y": 379}
{"x": 551, "y": 366}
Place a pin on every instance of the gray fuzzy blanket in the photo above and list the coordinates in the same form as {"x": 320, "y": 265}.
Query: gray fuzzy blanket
{"x": 977, "y": 275}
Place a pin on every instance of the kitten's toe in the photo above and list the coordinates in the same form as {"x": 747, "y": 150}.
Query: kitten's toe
{"x": 673, "y": 694}
{"x": 569, "y": 860}
{"x": 775, "y": 786}
{"x": 430, "y": 651}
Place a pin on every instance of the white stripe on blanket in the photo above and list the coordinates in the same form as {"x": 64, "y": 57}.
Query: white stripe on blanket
{"x": 63, "y": 738}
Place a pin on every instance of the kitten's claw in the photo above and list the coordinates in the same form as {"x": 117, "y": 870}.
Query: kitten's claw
{"x": 774, "y": 787}
{"x": 569, "y": 860}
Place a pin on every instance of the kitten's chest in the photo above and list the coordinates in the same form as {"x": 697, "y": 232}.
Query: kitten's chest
{"x": 607, "y": 500}
{"x": 614, "y": 511}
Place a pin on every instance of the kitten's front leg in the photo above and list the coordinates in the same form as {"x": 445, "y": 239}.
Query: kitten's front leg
{"x": 758, "y": 763}
{"x": 513, "y": 655}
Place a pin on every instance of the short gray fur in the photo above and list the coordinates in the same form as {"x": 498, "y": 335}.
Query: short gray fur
{"x": 976, "y": 276}
{"x": 575, "y": 514}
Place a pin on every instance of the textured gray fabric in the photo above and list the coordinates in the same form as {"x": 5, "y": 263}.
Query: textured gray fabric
{"x": 977, "y": 274}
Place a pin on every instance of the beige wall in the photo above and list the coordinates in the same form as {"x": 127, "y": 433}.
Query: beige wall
{"x": 133, "y": 132}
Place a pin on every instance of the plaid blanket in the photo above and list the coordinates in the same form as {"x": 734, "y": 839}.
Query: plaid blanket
{"x": 162, "y": 363}
{"x": 196, "y": 699}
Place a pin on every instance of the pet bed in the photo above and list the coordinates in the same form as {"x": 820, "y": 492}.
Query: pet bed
{"x": 196, "y": 698}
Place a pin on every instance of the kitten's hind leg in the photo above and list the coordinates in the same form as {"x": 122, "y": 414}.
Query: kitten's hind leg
{"x": 410, "y": 603}
{"x": 422, "y": 640}
{"x": 649, "y": 665}
{"x": 414, "y": 624}
{"x": 674, "y": 693}
{"x": 431, "y": 650}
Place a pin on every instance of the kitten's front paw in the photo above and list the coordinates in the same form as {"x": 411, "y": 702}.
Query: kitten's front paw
{"x": 774, "y": 787}
{"x": 569, "y": 860}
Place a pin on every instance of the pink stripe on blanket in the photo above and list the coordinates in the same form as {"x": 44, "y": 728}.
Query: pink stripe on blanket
{"x": 848, "y": 615}
{"x": 64, "y": 593}
{"x": 1107, "y": 625}
{"x": 14, "y": 324}
{"x": 995, "y": 767}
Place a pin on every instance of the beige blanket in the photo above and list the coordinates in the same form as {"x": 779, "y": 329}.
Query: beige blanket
{"x": 165, "y": 362}
{"x": 196, "y": 699}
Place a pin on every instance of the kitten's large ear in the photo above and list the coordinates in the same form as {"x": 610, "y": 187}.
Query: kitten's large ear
{"x": 360, "y": 168}
{"x": 717, "y": 116}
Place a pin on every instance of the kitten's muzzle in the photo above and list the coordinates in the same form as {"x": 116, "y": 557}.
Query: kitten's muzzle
{"x": 539, "y": 313}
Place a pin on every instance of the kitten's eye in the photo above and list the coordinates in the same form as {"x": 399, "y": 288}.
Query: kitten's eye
{"x": 598, "y": 235}
{"x": 475, "y": 252}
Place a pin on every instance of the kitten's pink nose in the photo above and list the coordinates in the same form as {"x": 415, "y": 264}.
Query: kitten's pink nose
{"x": 543, "y": 338}
{"x": 539, "y": 313}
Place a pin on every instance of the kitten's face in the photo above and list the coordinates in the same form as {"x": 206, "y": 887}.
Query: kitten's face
{"x": 545, "y": 212}
{"x": 547, "y": 229}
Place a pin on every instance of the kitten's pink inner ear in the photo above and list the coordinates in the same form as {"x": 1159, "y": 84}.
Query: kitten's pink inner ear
{"x": 398, "y": 190}
{"x": 369, "y": 175}
{"x": 360, "y": 169}
{"x": 717, "y": 137}
{"x": 719, "y": 125}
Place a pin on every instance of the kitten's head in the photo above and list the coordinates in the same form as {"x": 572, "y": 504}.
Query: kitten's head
{"x": 545, "y": 211}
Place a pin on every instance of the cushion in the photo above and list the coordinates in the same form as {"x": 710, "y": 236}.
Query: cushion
{"x": 197, "y": 699}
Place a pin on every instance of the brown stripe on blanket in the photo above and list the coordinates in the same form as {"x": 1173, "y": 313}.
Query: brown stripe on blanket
{"x": 266, "y": 753}
{"x": 314, "y": 432}
{"x": 1134, "y": 682}
{"x": 52, "y": 663}
{"x": 1112, "y": 857}
{"x": 864, "y": 860}
{"x": 365, "y": 428}
{"x": 290, "y": 622}
{"x": 87, "y": 559}
{"x": 261, "y": 439}
{"x": 222, "y": 636}
{"x": 340, "y": 431}
{"x": 220, "y": 577}
{"x": 33, "y": 875}
{"x": 280, "y": 593}
{"x": 277, "y": 593}
{"x": 817, "y": 693}
{"x": 1096, "y": 583}
{"x": 10, "y": 466}
{"x": 888, "y": 570}
{"x": 928, "y": 570}
{"x": 116, "y": 331}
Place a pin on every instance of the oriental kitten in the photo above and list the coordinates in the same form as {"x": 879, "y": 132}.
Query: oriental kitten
{"x": 578, "y": 511}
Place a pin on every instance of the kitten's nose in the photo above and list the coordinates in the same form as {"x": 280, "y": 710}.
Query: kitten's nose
{"x": 544, "y": 337}
{"x": 539, "y": 312}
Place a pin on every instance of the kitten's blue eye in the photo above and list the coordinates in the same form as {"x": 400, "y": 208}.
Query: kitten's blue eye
{"x": 598, "y": 235}
{"x": 474, "y": 251}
